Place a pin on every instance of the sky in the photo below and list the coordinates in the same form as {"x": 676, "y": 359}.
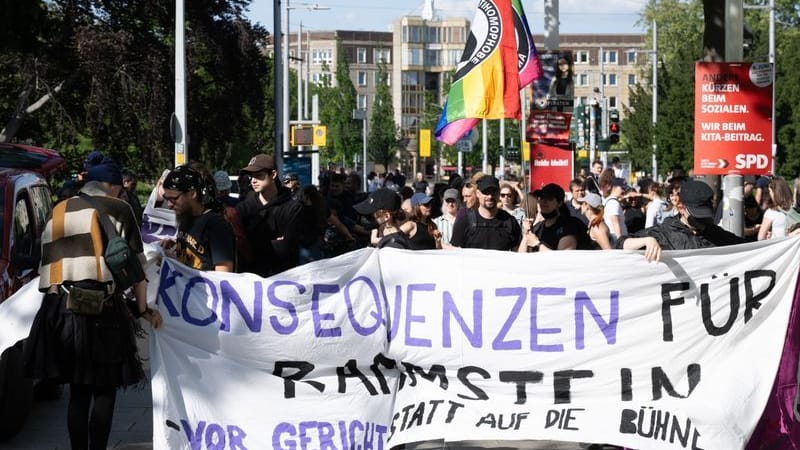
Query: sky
{"x": 576, "y": 16}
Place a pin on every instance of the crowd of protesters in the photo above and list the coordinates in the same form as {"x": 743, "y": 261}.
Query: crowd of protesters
{"x": 276, "y": 223}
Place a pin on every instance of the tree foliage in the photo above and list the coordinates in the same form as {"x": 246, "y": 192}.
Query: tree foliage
{"x": 118, "y": 60}
{"x": 337, "y": 103}
{"x": 680, "y": 33}
{"x": 383, "y": 131}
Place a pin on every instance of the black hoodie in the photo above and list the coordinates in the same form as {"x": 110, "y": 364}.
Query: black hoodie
{"x": 273, "y": 232}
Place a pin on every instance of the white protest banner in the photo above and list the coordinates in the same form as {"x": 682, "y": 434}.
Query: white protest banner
{"x": 157, "y": 223}
{"x": 379, "y": 348}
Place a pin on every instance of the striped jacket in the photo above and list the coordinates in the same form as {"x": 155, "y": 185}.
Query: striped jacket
{"x": 73, "y": 243}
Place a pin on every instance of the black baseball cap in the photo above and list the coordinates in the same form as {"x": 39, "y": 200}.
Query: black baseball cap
{"x": 382, "y": 198}
{"x": 487, "y": 183}
{"x": 551, "y": 190}
{"x": 696, "y": 196}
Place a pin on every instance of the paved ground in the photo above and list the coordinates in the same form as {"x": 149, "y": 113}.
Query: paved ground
{"x": 46, "y": 427}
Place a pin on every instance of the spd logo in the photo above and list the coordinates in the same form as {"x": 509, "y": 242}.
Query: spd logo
{"x": 751, "y": 161}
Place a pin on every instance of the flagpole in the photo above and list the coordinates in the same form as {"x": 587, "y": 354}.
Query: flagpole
{"x": 485, "y": 143}
{"x": 522, "y": 124}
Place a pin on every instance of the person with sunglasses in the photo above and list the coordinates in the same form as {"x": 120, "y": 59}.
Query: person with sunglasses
{"x": 272, "y": 219}
{"x": 205, "y": 238}
{"x": 509, "y": 201}
{"x": 487, "y": 226}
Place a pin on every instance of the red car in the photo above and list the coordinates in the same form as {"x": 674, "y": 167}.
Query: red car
{"x": 25, "y": 205}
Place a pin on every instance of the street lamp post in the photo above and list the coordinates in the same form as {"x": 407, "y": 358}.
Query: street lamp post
{"x": 179, "y": 128}
{"x": 361, "y": 114}
{"x": 285, "y": 65}
{"x": 655, "y": 97}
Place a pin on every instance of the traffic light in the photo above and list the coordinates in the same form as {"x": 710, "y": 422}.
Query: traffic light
{"x": 613, "y": 126}
{"x": 301, "y": 136}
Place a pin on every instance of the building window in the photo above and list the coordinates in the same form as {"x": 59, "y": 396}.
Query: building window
{"x": 631, "y": 79}
{"x": 410, "y": 79}
{"x": 609, "y": 79}
{"x": 612, "y": 102}
{"x": 362, "y": 55}
{"x": 362, "y": 101}
{"x": 413, "y": 33}
{"x": 434, "y": 35}
{"x": 320, "y": 56}
{"x": 362, "y": 78}
{"x": 382, "y": 55}
{"x": 583, "y": 100}
{"x": 581, "y": 57}
{"x": 321, "y": 78}
{"x": 583, "y": 79}
{"x": 413, "y": 57}
{"x": 432, "y": 57}
{"x": 609, "y": 57}
{"x": 631, "y": 56}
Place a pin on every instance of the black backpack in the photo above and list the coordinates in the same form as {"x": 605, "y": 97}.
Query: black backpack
{"x": 395, "y": 240}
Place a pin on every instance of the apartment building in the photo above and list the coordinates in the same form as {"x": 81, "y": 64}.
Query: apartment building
{"x": 363, "y": 51}
{"x": 612, "y": 63}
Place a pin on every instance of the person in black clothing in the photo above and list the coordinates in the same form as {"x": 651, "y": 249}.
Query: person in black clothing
{"x": 420, "y": 185}
{"x": 129, "y": 181}
{"x": 420, "y": 229}
{"x": 692, "y": 228}
{"x": 205, "y": 238}
{"x": 487, "y": 226}
{"x": 559, "y": 230}
{"x": 271, "y": 219}
{"x": 578, "y": 190}
{"x": 383, "y": 206}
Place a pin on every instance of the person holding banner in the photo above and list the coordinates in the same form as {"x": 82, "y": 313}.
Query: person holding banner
{"x": 85, "y": 332}
{"x": 692, "y": 227}
{"x": 205, "y": 238}
{"x": 559, "y": 230}
{"x": 488, "y": 226}
{"x": 271, "y": 219}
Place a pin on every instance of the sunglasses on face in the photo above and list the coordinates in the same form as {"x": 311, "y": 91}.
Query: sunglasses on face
{"x": 173, "y": 199}
{"x": 261, "y": 175}
{"x": 505, "y": 194}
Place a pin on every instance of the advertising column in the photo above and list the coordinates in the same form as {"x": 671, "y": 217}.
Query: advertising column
{"x": 733, "y": 114}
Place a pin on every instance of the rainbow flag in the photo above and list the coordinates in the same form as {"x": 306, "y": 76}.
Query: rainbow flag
{"x": 499, "y": 59}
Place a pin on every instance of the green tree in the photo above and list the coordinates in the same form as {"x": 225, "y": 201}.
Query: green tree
{"x": 337, "y": 103}
{"x": 383, "y": 134}
{"x": 115, "y": 63}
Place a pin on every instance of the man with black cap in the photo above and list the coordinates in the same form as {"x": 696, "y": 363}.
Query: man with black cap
{"x": 692, "y": 228}
{"x": 205, "y": 239}
{"x": 488, "y": 226}
{"x": 271, "y": 219}
{"x": 559, "y": 230}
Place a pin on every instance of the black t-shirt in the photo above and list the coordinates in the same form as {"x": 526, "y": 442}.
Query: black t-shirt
{"x": 501, "y": 232}
{"x": 207, "y": 242}
{"x": 564, "y": 226}
{"x": 422, "y": 239}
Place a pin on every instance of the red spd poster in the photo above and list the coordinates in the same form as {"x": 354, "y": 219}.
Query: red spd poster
{"x": 551, "y": 165}
{"x": 733, "y": 118}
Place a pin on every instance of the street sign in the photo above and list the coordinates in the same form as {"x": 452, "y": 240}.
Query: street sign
{"x": 733, "y": 118}
{"x": 424, "y": 143}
